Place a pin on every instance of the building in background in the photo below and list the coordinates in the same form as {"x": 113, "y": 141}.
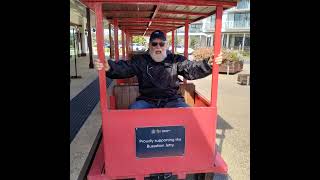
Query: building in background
{"x": 235, "y": 29}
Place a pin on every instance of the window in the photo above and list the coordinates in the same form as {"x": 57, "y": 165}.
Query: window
{"x": 195, "y": 27}
{"x": 247, "y": 41}
{"x": 238, "y": 41}
{"x": 241, "y": 20}
{"x": 209, "y": 42}
{"x": 212, "y": 18}
{"x": 243, "y": 4}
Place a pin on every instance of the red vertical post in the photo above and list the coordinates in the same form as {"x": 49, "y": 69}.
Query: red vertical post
{"x": 111, "y": 42}
{"x": 186, "y": 39}
{"x": 172, "y": 42}
{"x": 122, "y": 41}
{"x": 127, "y": 46}
{"x": 116, "y": 44}
{"x": 186, "y": 43}
{"x": 101, "y": 55}
{"x": 217, "y": 47}
{"x": 130, "y": 43}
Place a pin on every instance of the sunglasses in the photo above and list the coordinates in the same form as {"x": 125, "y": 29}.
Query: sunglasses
{"x": 161, "y": 44}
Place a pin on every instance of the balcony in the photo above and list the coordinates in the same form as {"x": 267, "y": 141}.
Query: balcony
{"x": 237, "y": 25}
{"x": 209, "y": 27}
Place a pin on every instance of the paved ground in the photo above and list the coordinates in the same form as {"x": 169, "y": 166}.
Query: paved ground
{"x": 233, "y": 132}
{"x": 88, "y": 75}
{"x": 83, "y": 141}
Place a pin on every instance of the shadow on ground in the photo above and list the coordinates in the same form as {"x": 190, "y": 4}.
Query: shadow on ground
{"x": 221, "y": 125}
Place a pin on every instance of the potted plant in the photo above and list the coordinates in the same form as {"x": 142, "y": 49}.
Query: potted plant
{"x": 231, "y": 62}
{"x": 231, "y": 59}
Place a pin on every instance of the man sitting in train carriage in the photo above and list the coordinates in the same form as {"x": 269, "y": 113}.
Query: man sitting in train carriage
{"x": 157, "y": 72}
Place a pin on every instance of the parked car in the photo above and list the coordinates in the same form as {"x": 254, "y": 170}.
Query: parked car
{"x": 138, "y": 47}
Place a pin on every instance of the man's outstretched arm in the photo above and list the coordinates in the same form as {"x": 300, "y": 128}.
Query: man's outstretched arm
{"x": 192, "y": 70}
{"x": 116, "y": 70}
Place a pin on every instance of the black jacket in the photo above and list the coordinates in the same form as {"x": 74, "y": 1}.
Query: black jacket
{"x": 158, "y": 80}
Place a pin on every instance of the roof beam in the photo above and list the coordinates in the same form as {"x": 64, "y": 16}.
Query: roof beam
{"x": 170, "y": 2}
{"x": 122, "y": 12}
{"x": 168, "y": 23}
{"x": 185, "y": 13}
{"x": 144, "y": 27}
{"x": 154, "y": 20}
{"x": 159, "y": 12}
{"x": 149, "y": 29}
{"x": 157, "y": 7}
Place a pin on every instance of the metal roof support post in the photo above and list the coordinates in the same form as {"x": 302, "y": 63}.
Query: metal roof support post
{"x": 217, "y": 48}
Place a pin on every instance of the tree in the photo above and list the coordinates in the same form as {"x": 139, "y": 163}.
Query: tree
{"x": 169, "y": 40}
{"x": 194, "y": 42}
{"x": 139, "y": 39}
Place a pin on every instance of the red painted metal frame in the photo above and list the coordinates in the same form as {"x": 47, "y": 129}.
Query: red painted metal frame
{"x": 200, "y": 101}
{"x": 199, "y": 136}
{"x": 97, "y": 170}
{"x": 130, "y": 42}
{"x": 186, "y": 44}
{"x": 185, "y": 13}
{"x": 119, "y": 135}
{"x": 144, "y": 27}
{"x": 170, "y": 23}
{"x": 153, "y": 16}
{"x": 131, "y": 23}
{"x": 127, "y": 46}
{"x": 111, "y": 44}
{"x": 154, "y": 20}
{"x": 123, "y": 46}
{"x": 125, "y": 12}
{"x": 172, "y": 41}
{"x": 159, "y": 12}
{"x": 186, "y": 39}
{"x": 217, "y": 48}
{"x": 97, "y": 166}
{"x": 116, "y": 43}
{"x": 169, "y": 2}
{"x": 118, "y": 132}
{"x": 101, "y": 55}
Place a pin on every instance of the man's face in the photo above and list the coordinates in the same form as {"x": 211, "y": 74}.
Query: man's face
{"x": 157, "y": 49}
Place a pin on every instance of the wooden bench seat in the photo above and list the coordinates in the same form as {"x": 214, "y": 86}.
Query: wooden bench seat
{"x": 127, "y": 94}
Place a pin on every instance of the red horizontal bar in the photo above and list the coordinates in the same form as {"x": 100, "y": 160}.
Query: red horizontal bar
{"x": 185, "y": 13}
{"x": 120, "y": 11}
{"x": 132, "y": 24}
{"x": 159, "y": 12}
{"x": 154, "y": 20}
{"x": 136, "y": 30}
{"x": 144, "y": 27}
{"x": 169, "y": 2}
{"x": 144, "y": 22}
{"x": 167, "y": 23}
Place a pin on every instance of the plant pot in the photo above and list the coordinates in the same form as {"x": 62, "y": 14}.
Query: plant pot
{"x": 244, "y": 79}
{"x": 234, "y": 67}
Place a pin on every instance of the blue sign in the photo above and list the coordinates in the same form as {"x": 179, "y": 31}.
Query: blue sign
{"x": 160, "y": 141}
